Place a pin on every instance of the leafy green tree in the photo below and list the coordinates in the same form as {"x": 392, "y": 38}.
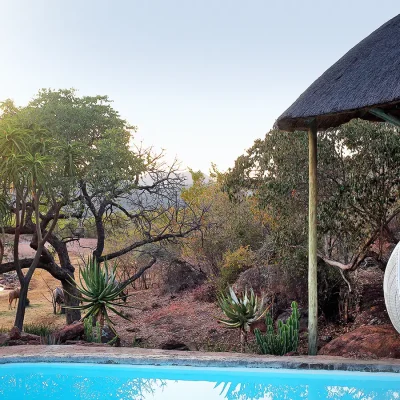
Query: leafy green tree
{"x": 358, "y": 174}
{"x": 29, "y": 173}
{"x": 82, "y": 163}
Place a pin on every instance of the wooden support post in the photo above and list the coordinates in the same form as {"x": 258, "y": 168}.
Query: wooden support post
{"x": 312, "y": 242}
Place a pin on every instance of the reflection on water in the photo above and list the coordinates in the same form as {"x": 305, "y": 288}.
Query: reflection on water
{"x": 92, "y": 382}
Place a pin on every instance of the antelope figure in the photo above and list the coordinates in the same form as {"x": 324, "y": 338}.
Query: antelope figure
{"x": 13, "y": 295}
{"x": 57, "y": 299}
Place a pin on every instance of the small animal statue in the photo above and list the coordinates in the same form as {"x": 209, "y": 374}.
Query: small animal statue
{"x": 13, "y": 295}
{"x": 57, "y": 299}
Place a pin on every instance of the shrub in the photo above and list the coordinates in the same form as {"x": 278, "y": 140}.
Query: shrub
{"x": 235, "y": 262}
{"x": 49, "y": 340}
{"x": 39, "y": 329}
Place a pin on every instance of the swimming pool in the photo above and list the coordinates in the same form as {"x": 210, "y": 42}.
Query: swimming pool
{"x": 95, "y": 381}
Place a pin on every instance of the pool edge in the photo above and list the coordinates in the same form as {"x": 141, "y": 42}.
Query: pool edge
{"x": 138, "y": 356}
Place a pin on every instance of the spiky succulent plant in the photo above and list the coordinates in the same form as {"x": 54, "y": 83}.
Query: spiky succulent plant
{"x": 240, "y": 312}
{"x": 100, "y": 291}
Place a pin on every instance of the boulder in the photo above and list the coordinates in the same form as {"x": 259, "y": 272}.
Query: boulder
{"x": 261, "y": 279}
{"x": 173, "y": 344}
{"x": 73, "y": 331}
{"x": 179, "y": 276}
{"x": 108, "y": 335}
{"x": 16, "y": 337}
{"x": 303, "y": 323}
{"x": 4, "y": 338}
{"x": 366, "y": 342}
{"x": 15, "y": 333}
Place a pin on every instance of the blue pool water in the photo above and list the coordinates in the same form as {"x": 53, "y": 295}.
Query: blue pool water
{"x": 92, "y": 381}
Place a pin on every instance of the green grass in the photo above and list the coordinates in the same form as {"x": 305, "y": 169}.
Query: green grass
{"x": 39, "y": 329}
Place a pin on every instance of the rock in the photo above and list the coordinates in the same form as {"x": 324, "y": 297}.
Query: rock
{"x": 174, "y": 345}
{"x": 107, "y": 335}
{"x": 84, "y": 343}
{"x": 16, "y": 338}
{"x": 29, "y": 338}
{"x": 262, "y": 279}
{"x": 4, "y": 339}
{"x": 134, "y": 329}
{"x": 259, "y": 324}
{"x": 371, "y": 341}
{"x": 179, "y": 276}
{"x": 303, "y": 323}
{"x": 15, "y": 333}
{"x": 73, "y": 331}
{"x": 17, "y": 342}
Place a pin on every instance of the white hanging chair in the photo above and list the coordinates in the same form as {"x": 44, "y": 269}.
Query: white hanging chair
{"x": 391, "y": 287}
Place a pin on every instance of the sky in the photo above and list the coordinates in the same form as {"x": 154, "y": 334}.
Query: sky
{"x": 201, "y": 79}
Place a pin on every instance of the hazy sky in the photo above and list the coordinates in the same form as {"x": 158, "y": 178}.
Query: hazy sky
{"x": 200, "y": 78}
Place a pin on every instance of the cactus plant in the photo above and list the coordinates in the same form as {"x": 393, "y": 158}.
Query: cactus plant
{"x": 286, "y": 338}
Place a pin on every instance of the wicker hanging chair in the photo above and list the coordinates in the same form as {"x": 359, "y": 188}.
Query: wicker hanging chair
{"x": 391, "y": 287}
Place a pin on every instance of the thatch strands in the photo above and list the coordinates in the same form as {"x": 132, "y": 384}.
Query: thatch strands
{"x": 367, "y": 76}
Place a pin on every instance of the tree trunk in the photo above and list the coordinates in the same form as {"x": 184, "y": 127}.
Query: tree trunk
{"x": 70, "y": 291}
{"x": 23, "y": 294}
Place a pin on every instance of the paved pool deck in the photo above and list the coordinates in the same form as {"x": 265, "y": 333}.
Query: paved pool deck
{"x": 138, "y": 356}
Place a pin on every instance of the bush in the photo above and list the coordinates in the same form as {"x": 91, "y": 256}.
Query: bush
{"x": 39, "y": 329}
{"x": 235, "y": 262}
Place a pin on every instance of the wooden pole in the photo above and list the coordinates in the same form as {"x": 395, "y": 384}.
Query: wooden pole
{"x": 312, "y": 242}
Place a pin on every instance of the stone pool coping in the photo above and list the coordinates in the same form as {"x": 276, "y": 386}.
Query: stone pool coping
{"x": 138, "y": 356}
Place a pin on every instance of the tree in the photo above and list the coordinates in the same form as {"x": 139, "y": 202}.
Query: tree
{"x": 358, "y": 174}
{"x": 28, "y": 175}
{"x": 90, "y": 170}
{"x": 226, "y": 227}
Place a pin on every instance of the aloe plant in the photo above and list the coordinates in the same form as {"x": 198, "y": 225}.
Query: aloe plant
{"x": 240, "y": 312}
{"x": 100, "y": 292}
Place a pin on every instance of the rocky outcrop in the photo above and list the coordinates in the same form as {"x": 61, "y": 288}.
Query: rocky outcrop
{"x": 73, "y": 331}
{"x": 15, "y": 337}
{"x": 366, "y": 342}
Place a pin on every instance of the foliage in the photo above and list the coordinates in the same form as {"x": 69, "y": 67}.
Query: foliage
{"x": 92, "y": 333}
{"x": 39, "y": 329}
{"x": 49, "y": 339}
{"x": 225, "y": 228}
{"x": 358, "y": 196}
{"x": 100, "y": 291}
{"x": 239, "y": 311}
{"x": 286, "y": 338}
{"x": 69, "y": 161}
{"x": 235, "y": 262}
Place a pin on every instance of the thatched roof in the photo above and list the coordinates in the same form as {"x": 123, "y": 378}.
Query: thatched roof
{"x": 367, "y": 76}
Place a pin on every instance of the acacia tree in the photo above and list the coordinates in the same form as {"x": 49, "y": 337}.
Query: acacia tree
{"x": 359, "y": 169}
{"x": 100, "y": 176}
